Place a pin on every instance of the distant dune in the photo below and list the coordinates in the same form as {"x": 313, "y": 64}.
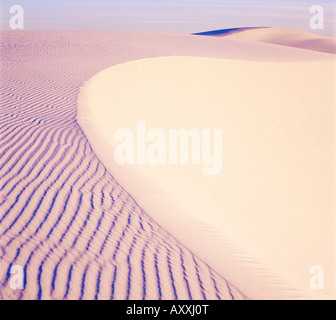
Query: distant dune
{"x": 284, "y": 37}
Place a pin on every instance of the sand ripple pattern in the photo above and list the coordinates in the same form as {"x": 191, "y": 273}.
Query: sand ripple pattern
{"x": 74, "y": 230}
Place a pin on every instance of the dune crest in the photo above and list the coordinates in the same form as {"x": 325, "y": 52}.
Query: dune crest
{"x": 280, "y": 36}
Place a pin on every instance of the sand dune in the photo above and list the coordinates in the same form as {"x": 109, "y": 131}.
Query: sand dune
{"x": 75, "y": 231}
{"x": 280, "y": 36}
{"x": 266, "y": 202}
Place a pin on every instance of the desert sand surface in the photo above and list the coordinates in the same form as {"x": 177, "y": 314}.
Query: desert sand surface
{"x": 279, "y": 36}
{"x": 75, "y": 230}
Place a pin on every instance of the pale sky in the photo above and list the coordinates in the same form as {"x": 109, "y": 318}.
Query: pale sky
{"x": 180, "y": 16}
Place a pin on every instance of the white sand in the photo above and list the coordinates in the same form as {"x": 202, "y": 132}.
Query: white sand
{"x": 268, "y": 217}
{"x": 66, "y": 220}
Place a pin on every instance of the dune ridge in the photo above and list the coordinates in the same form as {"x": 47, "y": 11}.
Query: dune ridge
{"x": 279, "y": 36}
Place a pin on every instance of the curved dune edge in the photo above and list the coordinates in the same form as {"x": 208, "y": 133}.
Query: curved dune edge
{"x": 280, "y": 36}
{"x": 224, "y": 248}
{"x": 65, "y": 220}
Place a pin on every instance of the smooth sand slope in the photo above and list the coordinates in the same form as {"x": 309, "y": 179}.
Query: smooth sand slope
{"x": 280, "y": 36}
{"x": 270, "y": 209}
{"x": 64, "y": 218}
